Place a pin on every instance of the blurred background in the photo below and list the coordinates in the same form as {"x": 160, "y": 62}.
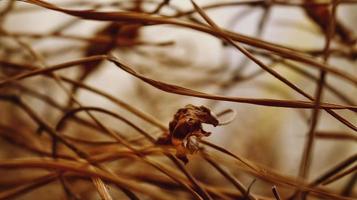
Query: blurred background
{"x": 270, "y": 136}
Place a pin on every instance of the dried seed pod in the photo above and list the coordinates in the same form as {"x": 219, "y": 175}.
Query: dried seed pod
{"x": 185, "y": 130}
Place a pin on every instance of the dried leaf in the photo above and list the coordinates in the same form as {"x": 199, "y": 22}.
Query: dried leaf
{"x": 185, "y": 130}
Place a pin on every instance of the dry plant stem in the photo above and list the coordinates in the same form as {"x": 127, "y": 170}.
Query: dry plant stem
{"x": 228, "y": 176}
{"x": 263, "y": 175}
{"x": 5, "y": 130}
{"x": 340, "y": 175}
{"x": 216, "y": 192}
{"x": 261, "y": 3}
{"x": 334, "y": 170}
{"x": 54, "y": 134}
{"x": 152, "y": 20}
{"x": 307, "y": 153}
{"x": 147, "y": 136}
{"x": 201, "y": 191}
{"x": 96, "y": 39}
{"x": 212, "y": 190}
{"x": 231, "y": 154}
{"x": 96, "y": 181}
{"x": 104, "y": 194}
{"x": 45, "y": 98}
{"x": 335, "y": 198}
{"x": 224, "y": 4}
{"x": 301, "y": 71}
{"x": 337, "y": 136}
{"x": 217, "y": 114}
{"x": 17, "y": 101}
{"x": 205, "y": 7}
{"x": 115, "y": 31}
{"x": 157, "y": 84}
{"x": 195, "y": 183}
{"x": 146, "y": 117}
{"x": 69, "y": 193}
{"x": 23, "y": 189}
{"x": 250, "y": 187}
{"x": 3, "y": 13}
{"x": 39, "y": 58}
{"x": 56, "y": 105}
{"x": 34, "y": 185}
{"x": 70, "y": 23}
{"x": 348, "y": 188}
{"x": 178, "y": 163}
{"x": 185, "y": 91}
{"x": 142, "y": 157}
{"x": 331, "y": 172}
{"x": 112, "y": 156}
{"x": 115, "y": 100}
{"x": 51, "y": 102}
{"x": 238, "y": 79}
{"x": 261, "y": 25}
{"x": 160, "y": 6}
{"x": 275, "y": 178}
{"x": 169, "y": 88}
{"x": 327, "y": 86}
{"x": 77, "y": 167}
{"x": 42, "y": 123}
{"x": 26, "y": 186}
{"x": 276, "y": 193}
{"x": 100, "y": 187}
{"x": 101, "y": 190}
{"x": 69, "y": 114}
{"x": 64, "y": 26}
{"x": 266, "y": 68}
{"x": 344, "y": 121}
{"x": 177, "y": 89}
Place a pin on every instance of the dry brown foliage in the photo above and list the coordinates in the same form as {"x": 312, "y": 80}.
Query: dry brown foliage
{"x": 56, "y": 145}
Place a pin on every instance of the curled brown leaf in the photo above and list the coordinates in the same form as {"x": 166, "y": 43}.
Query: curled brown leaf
{"x": 185, "y": 130}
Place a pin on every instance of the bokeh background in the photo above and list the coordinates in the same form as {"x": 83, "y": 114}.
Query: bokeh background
{"x": 273, "y": 137}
